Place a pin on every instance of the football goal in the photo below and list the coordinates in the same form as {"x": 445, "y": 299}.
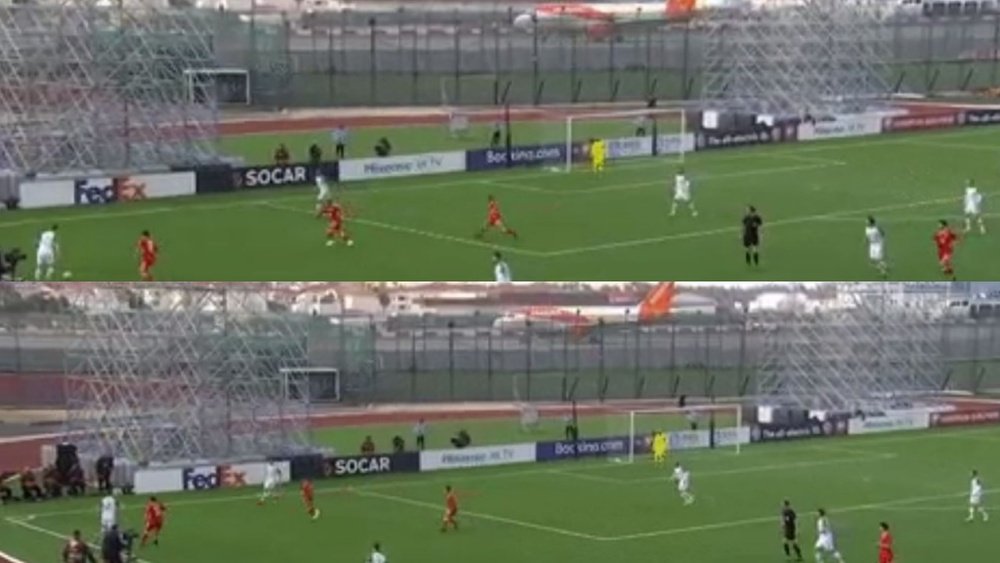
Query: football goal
{"x": 651, "y": 132}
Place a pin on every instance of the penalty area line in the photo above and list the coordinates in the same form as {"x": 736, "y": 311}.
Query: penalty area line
{"x": 51, "y": 533}
{"x": 891, "y": 504}
{"x": 731, "y": 230}
{"x": 483, "y": 516}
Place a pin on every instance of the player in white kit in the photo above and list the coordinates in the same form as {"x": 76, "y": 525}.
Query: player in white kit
{"x": 825, "y": 544}
{"x": 272, "y": 478}
{"x": 501, "y": 271}
{"x": 48, "y": 252}
{"x": 376, "y": 556}
{"x": 682, "y": 194}
{"x": 976, "y": 499}
{"x": 973, "y": 207}
{"x": 109, "y": 513}
{"x": 323, "y": 191}
{"x": 876, "y": 246}
{"x": 682, "y": 477}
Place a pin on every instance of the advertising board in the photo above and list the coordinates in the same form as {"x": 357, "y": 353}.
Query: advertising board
{"x": 709, "y": 139}
{"x": 273, "y": 176}
{"x": 841, "y": 128}
{"x": 400, "y": 166}
{"x": 982, "y": 117}
{"x": 768, "y": 432}
{"x": 36, "y": 194}
{"x": 139, "y": 187}
{"x": 965, "y": 418}
{"x": 917, "y": 122}
{"x": 585, "y": 447}
{"x": 351, "y": 466}
{"x": 895, "y": 422}
{"x": 157, "y": 481}
{"x": 532, "y": 155}
{"x": 205, "y": 477}
{"x": 433, "y": 460}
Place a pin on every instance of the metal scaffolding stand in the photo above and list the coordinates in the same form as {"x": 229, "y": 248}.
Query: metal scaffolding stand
{"x": 185, "y": 373}
{"x": 86, "y": 86}
{"x": 789, "y": 59}
{"x": 869, "y": 352}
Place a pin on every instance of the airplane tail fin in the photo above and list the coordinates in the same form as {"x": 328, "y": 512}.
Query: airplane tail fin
{"x": 658, "y": 303}
{"x": 681, "y": 8}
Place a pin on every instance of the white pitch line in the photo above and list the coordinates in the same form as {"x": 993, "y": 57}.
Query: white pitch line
{"x": 10, "y": 558}
{"x": 770, "y": 519}
{"x": 49, "y": 532}
{"x": 417, "y": 232}
{"x": 730, "y": 230}
{"x": 484, "y": 516}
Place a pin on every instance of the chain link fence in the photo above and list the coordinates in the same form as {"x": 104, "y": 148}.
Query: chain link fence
{"x": 434, "y": 358}
{"x": 410, "y": 56}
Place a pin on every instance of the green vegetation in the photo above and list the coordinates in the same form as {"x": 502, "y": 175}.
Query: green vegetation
{"x": 814, "y": 199}
{"x": 588, "y": 511}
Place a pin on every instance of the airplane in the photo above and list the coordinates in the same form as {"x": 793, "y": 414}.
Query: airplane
{"x": 657, "y": 304}
{"x": 604, "y": 20}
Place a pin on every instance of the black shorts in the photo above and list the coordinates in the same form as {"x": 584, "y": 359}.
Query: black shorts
{"x": 751, "y": 239}
{"x": 790, "y": 534}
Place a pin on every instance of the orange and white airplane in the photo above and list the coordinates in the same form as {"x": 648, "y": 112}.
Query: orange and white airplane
{"x": 657, "y": 304}
{"x": 601, "y": 20}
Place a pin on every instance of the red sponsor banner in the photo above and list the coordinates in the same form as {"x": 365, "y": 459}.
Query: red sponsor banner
{"x": 936, "y": 120}
{"x": 966, "y": 418}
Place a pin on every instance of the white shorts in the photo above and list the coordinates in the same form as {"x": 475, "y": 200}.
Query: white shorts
{"x": 107, "y": 523}
{"x": 876, "y": 252}
{"x": 46, "y": 258}
{"x": 972, "y": 212}
{"x": 975, "y": 500}
{"x": 683, "y": 487}
{"x": 270, "y": 485}
{"x": 682, "y": 197}
{"x": 324, "y": 188}
{"x": 825, "y": 543}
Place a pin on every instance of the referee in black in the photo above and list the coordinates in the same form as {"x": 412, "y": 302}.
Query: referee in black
{"x": 789, "y": 532}
{"x": 751, "y": 235}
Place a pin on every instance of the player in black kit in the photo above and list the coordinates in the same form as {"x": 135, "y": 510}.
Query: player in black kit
{"x": 788, "y": 531}
{"x": 751, "y": 235}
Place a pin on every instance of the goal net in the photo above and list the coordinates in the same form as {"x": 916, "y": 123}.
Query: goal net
{"x": 636, "y": 133}
{"x": 717, "y": 426}
{"x": 225, "y": 86}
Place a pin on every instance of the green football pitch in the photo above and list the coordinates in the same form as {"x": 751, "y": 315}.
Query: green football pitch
{"x": 615, "y": 226}
{"x": 587, "y": 511}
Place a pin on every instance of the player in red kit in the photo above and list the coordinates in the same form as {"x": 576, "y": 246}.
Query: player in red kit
{"x": 335, "y": 231}
{"x": 494, "y": 220}
{"x": 307, "y": 498}
{"x": 155, "y": 512}
{"x": 885, "y": 554}
{"x": 945, "y": 239}
{"x": 450, "y": 509}
{"x": 147, "y": 256}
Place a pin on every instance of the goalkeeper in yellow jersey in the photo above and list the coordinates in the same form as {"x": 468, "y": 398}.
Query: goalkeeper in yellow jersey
{"x": 660, "y": 447}
{"x": 598, "y": 154}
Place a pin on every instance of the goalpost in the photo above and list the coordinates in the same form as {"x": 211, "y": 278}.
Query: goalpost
{"x": 651, "y": 132}
{"x": 226, "y": 86}
{"x": 692, "y": 427}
